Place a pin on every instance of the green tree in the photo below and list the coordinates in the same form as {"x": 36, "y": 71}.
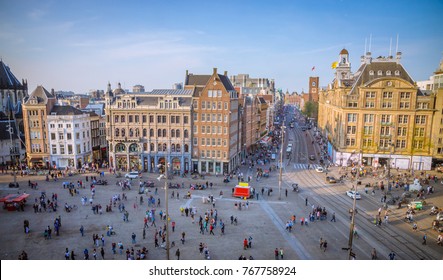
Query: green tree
{"x": 311, "y": 109}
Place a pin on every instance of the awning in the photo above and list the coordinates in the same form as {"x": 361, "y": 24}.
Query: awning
{"x": 265, "y": 140}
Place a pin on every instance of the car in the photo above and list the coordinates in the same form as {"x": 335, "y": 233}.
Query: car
{"x": 312, "y": 157}
{"x": 131, "y": 175}
{"x": 319, "y": 169}
{"x": 331, "y": 180}
{"x": 351, "y": 194}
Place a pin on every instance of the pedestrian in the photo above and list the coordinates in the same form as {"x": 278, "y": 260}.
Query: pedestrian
{"x": 276, "y": 253}
{"x": 245, "y": 244}
{"x": 325, "y": 245}
{"x": 250, "y": 242}
{"x": 373, "y": 254}
{"x": 67, "y": 254}
{"x": 86, "y": 253}
{"x": 177, "y": 253}
{"x": 82, "y": 230}
{"x": 306, "y": 202}
{"x": 94, "y": 254}
{"x": 333, "y": 217}
{"x": 281, "y": 253}
{"x": 391, "y": 255}
{"x": 425, "y": 237}
{"x": 321, "y": 243}
{"x": 144, "y": 232}
{"x": 183, "y": 237}
{"x": 173, "y": 226}
{"x": 102, "y": 252}
{"x": 286, "y": 192}
{"x": 73, "y": 255}
{"x": 133, "y": 236}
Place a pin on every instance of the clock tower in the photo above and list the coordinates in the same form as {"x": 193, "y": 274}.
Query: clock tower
{"x": 313, "y": 89}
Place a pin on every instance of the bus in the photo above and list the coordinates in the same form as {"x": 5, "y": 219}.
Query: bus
{"x": 288, "y": 152}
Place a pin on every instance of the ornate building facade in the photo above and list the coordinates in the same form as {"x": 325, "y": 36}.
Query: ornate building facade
{"x": 146, "y": 130}
{"x": 376, "y": 116}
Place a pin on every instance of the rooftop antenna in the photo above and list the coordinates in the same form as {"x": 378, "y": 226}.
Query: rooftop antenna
{"x": 366, "y": 39}
{"x": 396, "y": 47}
{"x": 370, "y": 41}
{"x": 390, "y": 47}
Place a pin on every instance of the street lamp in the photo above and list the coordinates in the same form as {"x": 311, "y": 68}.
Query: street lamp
{"x": 391, "y": 146}
{"x": 167, "y": 206}
{"x": 351, "y": 228}
{"x": 12, "y": 151}
{"x": 281, "y": 159}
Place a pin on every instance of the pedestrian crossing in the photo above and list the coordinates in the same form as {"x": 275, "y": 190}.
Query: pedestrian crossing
{"x": 304, "y": 166}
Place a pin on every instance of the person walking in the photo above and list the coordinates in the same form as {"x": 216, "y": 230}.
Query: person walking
{"x": 245, "y": 244}
{"x": 321, "y": 243}
{"x": 177, "y": 254}
{"x": 102, "y": 252}
{"x": 333, "y": 217}
{"x": 391, "y": 255}
{"x": 425, "y": 237}
{"x": 73, "y": 255}
{"x": 183, "y": 237}
{"x": 373, "y": 254}
{"x": 133, "y": 236}
{"x": 82, "y": 230}
{"x": 325, "y": 245}
{"x": 67, "y": 254}
{"x": 281, "y": 253}
{"x": 306, "y": 202}
{"x": 144, "y": 232}
{"x": 276, "y": 253}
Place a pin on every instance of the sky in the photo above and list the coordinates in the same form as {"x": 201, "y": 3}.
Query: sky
{"x": 84, "y": 44}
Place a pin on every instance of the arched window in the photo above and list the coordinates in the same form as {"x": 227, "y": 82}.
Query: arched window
{"x": 159, "y": 147}
{"x": 177, "y": 133}
{"x": 120, "y": 147}
{"x": 117, "y": 132}
{"x": 164, "y": 133}
{"x": 131, "y": 132}
{"x": 172, "y": 148}
{"x": 165, "y": 147}
{"x": 159, "y": 133}
{"x": 152, "y": 148}
{"x": 137, "y": 132}
{"x": 133, "y": 148}
{"x": 177, "y": 148}
{"x": 145, "y": 147}
{"x": 151, "y": 132}
{"x": 145, "y": 132}
{"x": 123, "y": 132}
{"x": 172, "y": 133}
{"x": 186, "y": 148}
{"x": 185, "y": 133}
{"x": 380, "y": 72}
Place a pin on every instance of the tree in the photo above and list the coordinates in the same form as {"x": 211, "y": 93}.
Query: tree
{"x": 311, "y": 109}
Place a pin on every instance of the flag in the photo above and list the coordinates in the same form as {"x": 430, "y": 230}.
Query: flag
{"x": 334, "y": 64}
{"x": 313, "y": 68}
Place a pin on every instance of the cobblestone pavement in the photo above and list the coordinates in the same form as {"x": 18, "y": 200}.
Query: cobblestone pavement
{"x": 264, "y": 221}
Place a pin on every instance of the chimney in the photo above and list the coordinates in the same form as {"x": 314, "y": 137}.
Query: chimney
{"x": 52, "y": 91}
{"x": 215, "y": 71}
{"x": 226, "y": 73}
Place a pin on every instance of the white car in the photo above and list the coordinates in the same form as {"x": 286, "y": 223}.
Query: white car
{"x": 352, "y": 193}
{"x": 319, "y": 169}
{"x": 131, "y": 175}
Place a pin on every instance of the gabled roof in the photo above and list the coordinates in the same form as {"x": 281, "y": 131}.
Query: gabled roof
{"x": 41, "y": 94}
{"x": 202, "y": 80}
{"x": 67, "y": 110}
{"x": 364, "y": 77}
{"x": 7, "y": 78}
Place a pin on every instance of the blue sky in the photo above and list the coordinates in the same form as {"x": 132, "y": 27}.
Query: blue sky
{"x": 81, "y": 45}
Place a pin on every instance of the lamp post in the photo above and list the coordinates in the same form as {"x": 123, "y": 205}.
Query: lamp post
{"x": 391, "y": 146}
{"x": 351, "y": 228}
{"x": 12, "y": 152}
{"x": 281, "y": 159}
{"x": 167, "y": 206}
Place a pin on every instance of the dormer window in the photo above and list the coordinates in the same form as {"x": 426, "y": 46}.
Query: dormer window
{"x": 380, "y": 72}
{"x": 371, "y": 73}
{"x": 397, "y": 73}
{"x": 388, "y": 73}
